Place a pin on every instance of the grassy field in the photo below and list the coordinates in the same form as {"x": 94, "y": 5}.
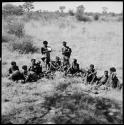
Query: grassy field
{"x": 96, "y": 42}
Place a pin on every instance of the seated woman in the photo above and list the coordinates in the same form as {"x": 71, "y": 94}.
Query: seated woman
{"x": 14, "y": 73}
{"x": 74, "y": 67}
{"x": 28, "y": 76}
{"x": 55, "y": 65}
{"x": 91, "y": 75}
{"x": 113, "y": 80}
{"x": 102, "y": 80}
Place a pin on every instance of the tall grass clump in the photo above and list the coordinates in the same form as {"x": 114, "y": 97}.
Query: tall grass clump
{"x": 8, "y": 37}
{"x": 23, "y": 46}
{"x": 16, "y": 28}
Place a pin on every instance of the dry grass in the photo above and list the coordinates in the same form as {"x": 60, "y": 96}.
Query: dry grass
{"x": 99, "y": 43}
{"x": 59, "y": 99}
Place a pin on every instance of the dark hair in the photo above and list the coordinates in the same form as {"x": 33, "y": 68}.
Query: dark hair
{"x": 45, "y": 42}
{"x": 38, "y": 62}
{"x": 113, "y": 69}
{"x": 57, "y": 57}
{"x": 106, "y": 71}
{"x": 24, "y": 67}
{"x": 64, "y": 42}
{"x": 33, "y": 60}
{"x": 13, "y": 63}
{"x": 91, "y": 65}
{"x": 75, "y": 60}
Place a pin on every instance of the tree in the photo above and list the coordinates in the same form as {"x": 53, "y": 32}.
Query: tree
{"x": 28, "y": 6}
{"x": 105, "y": 9}
{"x": 80, "y": 9}
{"x": 62, "y": 8}
{"x": 10, "y": 9}
{"x": 80, "y": 13}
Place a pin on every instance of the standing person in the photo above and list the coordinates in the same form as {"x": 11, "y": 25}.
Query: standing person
{"x": 66, "y": 52}
{"x": 45, "y": 50}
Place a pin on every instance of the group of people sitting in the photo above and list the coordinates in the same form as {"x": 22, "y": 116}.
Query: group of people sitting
{"x": 36, "y": 70}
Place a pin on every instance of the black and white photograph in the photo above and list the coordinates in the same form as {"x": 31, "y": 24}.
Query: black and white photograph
{"x": 62, "y": 62}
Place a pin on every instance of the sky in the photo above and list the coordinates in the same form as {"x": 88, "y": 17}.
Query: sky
{"x": 116, "y": 7}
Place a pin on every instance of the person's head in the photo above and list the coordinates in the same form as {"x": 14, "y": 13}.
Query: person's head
{"x": 33, "y": 61}
{"x": 24, "y": 67}
{"x": 106, "y": 73}
{"x": 57, "y": 58}
{"x": 91, "y": 66}
{"x": 64, "y": 43}
{"x": 112, "y": 69}
{"x": 75, "y": 60}
{"x": 13, "y": 63}
{"x": 39, "y": 62}
{"x": 45, "y": 43}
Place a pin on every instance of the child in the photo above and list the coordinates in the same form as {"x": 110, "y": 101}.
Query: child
{"x": 33, "y": 66}
{"x": 102, "y": 80}
{"x": 74, "y": 67}
{"x": 13, "y": 67}
{"x": 91, "y": 75}
{"x": 28, "y": 76}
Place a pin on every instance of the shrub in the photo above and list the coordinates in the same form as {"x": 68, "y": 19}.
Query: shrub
{"x": 8, "y": 37}
{"x": 120, "y": 18}
{"x": 84, "y": 18}
{"x": 16, "y": 28}
{"x": 24, "y": 45}
{"x": 96, "y": 17}
{"x": 71, "y": 13}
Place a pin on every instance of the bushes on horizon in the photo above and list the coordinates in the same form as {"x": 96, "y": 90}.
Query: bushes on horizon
{"x": 71, "y": 13}
{"x": 83, "y": 18}
{"x": 120, "y": 18}
{"x": 23, "y": 45}
{"x": 96, "y": 17}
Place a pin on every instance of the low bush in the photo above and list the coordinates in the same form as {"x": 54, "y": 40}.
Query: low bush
{"x": 71, "y": 13}
{"x": 84, "y": 18}
{"x": 96, "y": 17}
{"x": 23, "y": 45}
{"x": 16, "y": 28}
{"x": 120, "y": 18}
{"x": 8, "y": 37}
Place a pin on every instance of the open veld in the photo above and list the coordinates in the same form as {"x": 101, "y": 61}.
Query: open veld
{"x": 64, "y": 100}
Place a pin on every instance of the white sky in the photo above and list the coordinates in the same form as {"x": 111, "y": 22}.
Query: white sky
{"x": 116, "y": 7}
